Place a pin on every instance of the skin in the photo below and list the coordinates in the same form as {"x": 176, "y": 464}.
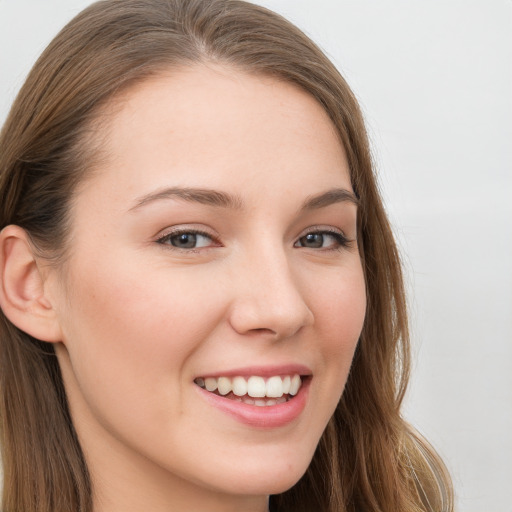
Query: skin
{"x": 140, "y": 319}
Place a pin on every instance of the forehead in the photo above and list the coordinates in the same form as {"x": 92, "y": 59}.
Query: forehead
{"x": 210, "y": 124}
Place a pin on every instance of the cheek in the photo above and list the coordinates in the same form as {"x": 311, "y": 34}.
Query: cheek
{"x": 340, "y": 310}
{"x": 128, "y": 304}
{"x": 138, "y": 331}
{"x": 130, "y": 344}
{"x": 339, "y": 319}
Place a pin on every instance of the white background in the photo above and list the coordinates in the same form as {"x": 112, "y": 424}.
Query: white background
{"x": 435, "y": 83}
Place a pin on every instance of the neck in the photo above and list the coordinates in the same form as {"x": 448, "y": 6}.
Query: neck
{"x": 132, "y": 484}
{"x": 140, "y": 486}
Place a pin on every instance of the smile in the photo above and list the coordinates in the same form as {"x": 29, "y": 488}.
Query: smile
{"x": 254, "y": 390}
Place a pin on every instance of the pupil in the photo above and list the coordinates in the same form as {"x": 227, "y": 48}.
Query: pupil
{"x": 314, "y": 240}
{"x": 184, "y": 241}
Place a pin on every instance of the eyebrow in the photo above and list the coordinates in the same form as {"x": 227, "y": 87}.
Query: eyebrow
{"x": 224, "y": 200}
{"x": 195, "y": 195}
{"x": 333, "y": 196}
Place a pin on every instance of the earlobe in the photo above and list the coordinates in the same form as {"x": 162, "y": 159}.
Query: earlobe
{"x": 22, "y": 291}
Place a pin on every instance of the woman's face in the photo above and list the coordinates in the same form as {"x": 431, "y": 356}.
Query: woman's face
{"x": 215, "y": 246}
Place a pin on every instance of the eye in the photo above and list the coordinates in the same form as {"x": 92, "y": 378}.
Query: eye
{"x": 187, "y": 239}
{"x": 322, "y": 240}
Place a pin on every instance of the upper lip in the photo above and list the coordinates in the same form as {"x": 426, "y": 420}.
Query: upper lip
{"x": 261, "y": 371}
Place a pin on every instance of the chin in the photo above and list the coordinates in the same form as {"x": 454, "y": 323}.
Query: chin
{"x": 266, "y": 480}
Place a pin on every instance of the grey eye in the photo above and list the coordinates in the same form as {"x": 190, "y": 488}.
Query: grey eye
{"x": 187, "y": 240}
{"x": 312, "y": 240}
{"x": 322, "y": 240}
{"x": 184, "y": 240}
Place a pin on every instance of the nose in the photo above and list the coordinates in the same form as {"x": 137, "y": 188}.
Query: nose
{"x": 269, "y": 299}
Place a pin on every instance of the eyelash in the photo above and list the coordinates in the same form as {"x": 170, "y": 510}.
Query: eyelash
{"x": 342, "y": 242}
{"x": 168, "y": 236}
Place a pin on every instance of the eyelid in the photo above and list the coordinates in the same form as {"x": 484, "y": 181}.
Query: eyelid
{"x": 166, "y": 234}
{"x": 322, "y": 229}
{"x": 343, "y": 240}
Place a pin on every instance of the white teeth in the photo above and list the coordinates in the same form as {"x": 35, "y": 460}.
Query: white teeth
{"x": 286, "y": 385}
{"x": 239, "y": 386}
{"x": 255, "y": 386}
{"x": 210, "y": 383}
{"x": 274, "y": 387}
{"x": 260, "y": 402}
{"x": 295, "y": 385}
{"x": 224, "y": 385}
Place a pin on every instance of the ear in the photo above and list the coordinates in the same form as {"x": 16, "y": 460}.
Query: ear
{"x": 22, "y": 287}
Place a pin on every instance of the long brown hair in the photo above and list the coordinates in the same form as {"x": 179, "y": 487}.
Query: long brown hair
{"x": 368, "y": 458}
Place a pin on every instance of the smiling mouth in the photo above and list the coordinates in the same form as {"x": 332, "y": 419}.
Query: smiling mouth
{"x": 254, "y": 390}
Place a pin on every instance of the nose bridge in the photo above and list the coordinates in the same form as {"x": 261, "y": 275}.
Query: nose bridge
{"x": 270, "y": 298}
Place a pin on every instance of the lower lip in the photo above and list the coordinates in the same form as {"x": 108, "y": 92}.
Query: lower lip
{"x": 268, "y": 416}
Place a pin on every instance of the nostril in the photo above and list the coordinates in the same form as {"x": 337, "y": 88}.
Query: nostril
{"x": 263, "y": 330}
{"x": 277, "y": 310}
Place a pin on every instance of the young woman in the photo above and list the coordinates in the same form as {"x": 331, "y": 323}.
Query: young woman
{"x": 202, "y": 302}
